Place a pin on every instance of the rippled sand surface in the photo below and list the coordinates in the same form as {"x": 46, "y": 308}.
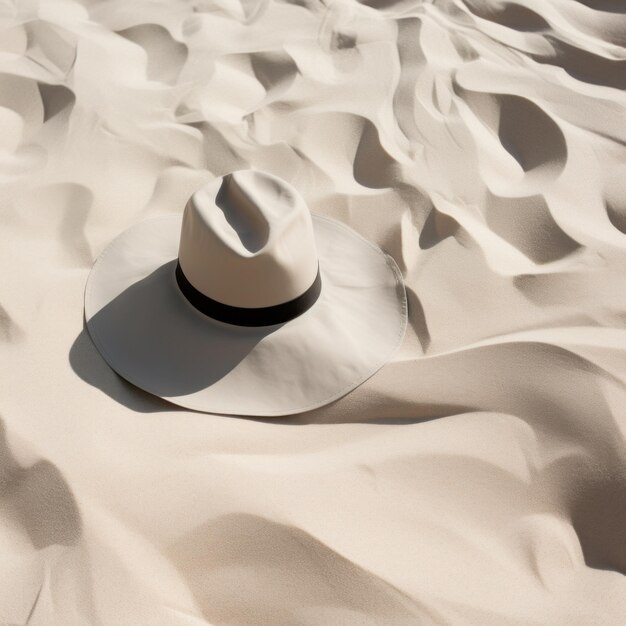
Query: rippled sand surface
{"x": 480, "y": 477}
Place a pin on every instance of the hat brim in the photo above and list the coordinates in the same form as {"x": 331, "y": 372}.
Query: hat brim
{"x": 153, "y": 337}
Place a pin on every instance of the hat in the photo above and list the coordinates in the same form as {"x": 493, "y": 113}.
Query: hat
{"x": 247, "y": 305}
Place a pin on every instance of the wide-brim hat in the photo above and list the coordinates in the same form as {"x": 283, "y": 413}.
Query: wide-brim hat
{"x": 247, "y": 304}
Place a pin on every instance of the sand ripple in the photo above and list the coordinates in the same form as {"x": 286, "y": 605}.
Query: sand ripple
{"x": 476, "y": 479}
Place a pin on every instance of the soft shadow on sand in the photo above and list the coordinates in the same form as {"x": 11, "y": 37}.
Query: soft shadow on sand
{"x": 39, "y": 498}
{"x": 93, "y": 369}
{"x": 515, "y": 16}
{"x": 610, "y": 6}
{"x": 378, "y": 414}
{"x": 286, "y": 571}
{"x": 585, "y": 65}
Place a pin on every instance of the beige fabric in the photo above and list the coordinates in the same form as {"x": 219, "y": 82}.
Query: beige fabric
{"x": 151, "y": 335}
{"x": 247, "y": 240}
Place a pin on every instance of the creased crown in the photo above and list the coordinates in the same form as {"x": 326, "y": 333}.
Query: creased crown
{"x": 247, "y": 241}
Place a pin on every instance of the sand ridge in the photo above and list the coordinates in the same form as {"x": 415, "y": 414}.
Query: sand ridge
{"x": 479, "y": 477}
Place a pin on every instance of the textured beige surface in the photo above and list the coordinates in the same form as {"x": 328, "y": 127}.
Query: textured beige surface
{"x": 480, "y": 477}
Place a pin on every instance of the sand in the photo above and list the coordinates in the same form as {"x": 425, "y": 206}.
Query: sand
{"x": 479, "y": 477}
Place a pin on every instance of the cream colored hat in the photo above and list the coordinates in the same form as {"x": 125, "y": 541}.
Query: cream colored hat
{"x": 258, "y": 308}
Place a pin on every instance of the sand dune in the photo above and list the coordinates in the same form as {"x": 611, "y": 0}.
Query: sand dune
{"x": 479, "y": 477}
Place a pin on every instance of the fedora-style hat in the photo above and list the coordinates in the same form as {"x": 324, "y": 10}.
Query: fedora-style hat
{"x": 247, "y": 305}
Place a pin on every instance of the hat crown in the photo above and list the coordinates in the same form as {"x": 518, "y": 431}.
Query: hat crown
{"x": 247, "y": 241}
